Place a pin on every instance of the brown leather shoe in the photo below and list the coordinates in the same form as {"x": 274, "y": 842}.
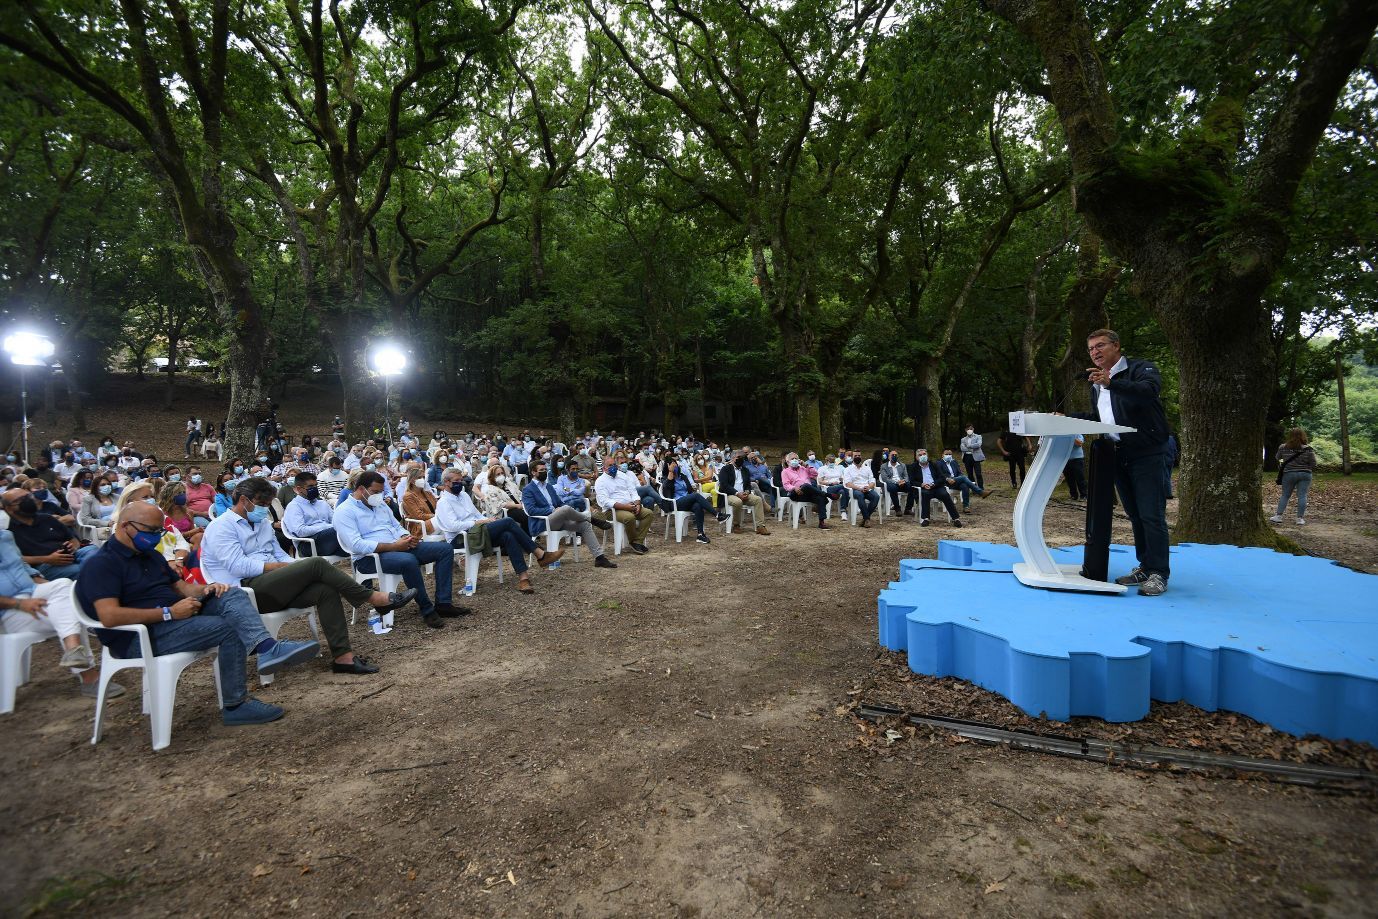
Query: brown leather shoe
{"x": 762, "y": 531}
{"x": 549, "y": 558}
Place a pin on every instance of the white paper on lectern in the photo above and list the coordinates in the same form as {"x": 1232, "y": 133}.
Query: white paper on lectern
{"x": 1016, "y": 422}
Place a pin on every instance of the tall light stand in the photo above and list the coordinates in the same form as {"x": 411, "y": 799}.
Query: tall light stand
{"x": 27, "y": 349}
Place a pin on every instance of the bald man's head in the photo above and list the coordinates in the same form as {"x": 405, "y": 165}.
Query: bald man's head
{"x": 10, "y": 503}
{"x": 138, "y": 517}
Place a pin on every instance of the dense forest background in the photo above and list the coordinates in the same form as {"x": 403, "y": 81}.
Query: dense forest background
{"x": 882, "y": 217}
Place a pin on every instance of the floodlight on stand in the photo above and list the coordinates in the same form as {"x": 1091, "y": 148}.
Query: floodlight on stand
{"x": 389, "y": 361}
{"x": 27, "y": 349}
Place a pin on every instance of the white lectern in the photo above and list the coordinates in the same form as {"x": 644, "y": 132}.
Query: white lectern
{"x": 1057, "y": 433}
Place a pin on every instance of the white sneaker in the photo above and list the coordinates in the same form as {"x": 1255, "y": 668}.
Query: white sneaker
{"x": 1276, "y": 518}
{"x": 1301, "y": 521}
{"x": 79, "y": 657}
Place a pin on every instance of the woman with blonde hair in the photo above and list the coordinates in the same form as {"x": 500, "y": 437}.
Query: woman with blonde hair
{"x": 496, "y": 495}
{"x": 1296, "y": 465}
{"x": 417, "y": 502}
{"x": 173, "y": 502}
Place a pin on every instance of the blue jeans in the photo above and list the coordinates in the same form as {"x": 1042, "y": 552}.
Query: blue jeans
{"x": 1300, "y": 481}
{"x": 509, "y": 536}
{"x": 868, "y": 500}
{"x": 408, "y": 565}
{"x": 841, "y": 493}
{"x": 696, "y": 503}
{"x": 967, "y": 486}
{"x": 1139, "y": 481}
{"x": 53, "y": 572}
{"x": 900, "y": 488}
{"x": 649, "y": 496}
{"x": 229, "y": 623}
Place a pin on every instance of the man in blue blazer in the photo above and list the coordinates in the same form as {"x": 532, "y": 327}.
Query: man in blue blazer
{"x": 541, "y": 500}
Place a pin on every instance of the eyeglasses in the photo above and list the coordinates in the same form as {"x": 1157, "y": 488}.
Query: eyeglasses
{"x": 1099, "y": 346}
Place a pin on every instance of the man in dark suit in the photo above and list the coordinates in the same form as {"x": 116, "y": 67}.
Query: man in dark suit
{"x": 1126, "y": 392}
{"x": 953, "y": 476}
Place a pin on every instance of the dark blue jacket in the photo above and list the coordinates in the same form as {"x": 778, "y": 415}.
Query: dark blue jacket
{"x": 1136, "y": 400}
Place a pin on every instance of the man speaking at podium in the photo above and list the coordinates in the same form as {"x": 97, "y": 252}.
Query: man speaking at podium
{"x": 1126, "y": 392}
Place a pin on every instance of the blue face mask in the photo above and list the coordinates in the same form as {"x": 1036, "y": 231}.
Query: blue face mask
{"x": 146, "y": 542}
{"x": 622, "y": 466}
{"x": 257, "y": 514}
{"x": 291, "y": 480}
{"x": 239, "y": 470}
{"x": 196, "y": 478}
{"x": 175, "y": 477}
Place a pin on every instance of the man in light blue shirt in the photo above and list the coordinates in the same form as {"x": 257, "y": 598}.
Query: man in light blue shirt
{"x": 571, "y": 488}
{"x": 517, "y": 456}
{"x": 364, "y": 525}
{"x": 309, "y": 515}
{"x": 239, "y": 548}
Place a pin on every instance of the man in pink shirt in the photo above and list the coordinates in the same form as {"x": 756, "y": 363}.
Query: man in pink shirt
{"x": 797, "y": 479}
{"x": 200, "y": 495}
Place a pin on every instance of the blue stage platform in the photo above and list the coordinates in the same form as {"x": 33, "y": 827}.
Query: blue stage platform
{"x": 1288, "y": 640}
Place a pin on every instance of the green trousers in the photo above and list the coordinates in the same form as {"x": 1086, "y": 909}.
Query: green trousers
{"x": 312, "y": 582}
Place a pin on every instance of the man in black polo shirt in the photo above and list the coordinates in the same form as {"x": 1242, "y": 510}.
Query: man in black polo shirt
{"x": 43, "y": 540}
{"x": 127, "y": 582}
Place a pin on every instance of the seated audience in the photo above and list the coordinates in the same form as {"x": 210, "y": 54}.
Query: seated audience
{"x": 364, "y": 525}
{"x": 495, "y": 495}
{"x": 830, "y": 481}
{"x": 618, "y": 498}
{"x": 45, "y": 542}
{"x": 540, "y": 499}
{"x": 930, "y": 487}
{"x": 797, "y": 480}
{"x": 173, "y": 502}
{"x": 894, "y": 475}
{"x": 734, "y": 488}
{"x": 308, "y": 515}
{"x": 30, "y": 602}
{"x": 952, "y": 474}
{"x": 239, "y": 548}
{"x": 457, "y": 517}
{"x": 681, "y": 495}
{"x": 862, "y": 486}
{"x": 417, "y": 502}
{"x": 98, "y": 507}
{"x": 128, "y": 583}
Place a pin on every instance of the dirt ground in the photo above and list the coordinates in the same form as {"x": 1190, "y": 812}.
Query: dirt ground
{"x": 670, "y": 738}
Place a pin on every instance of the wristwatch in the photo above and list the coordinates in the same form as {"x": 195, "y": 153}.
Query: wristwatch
{"x": 167, "y": 614}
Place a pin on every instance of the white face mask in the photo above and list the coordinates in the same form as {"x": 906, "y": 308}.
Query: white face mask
{"x": 375, "y": 500}
{"x": 499, "y": 479}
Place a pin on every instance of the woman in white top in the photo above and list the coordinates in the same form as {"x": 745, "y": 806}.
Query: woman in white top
{"x": 495, "y": 495}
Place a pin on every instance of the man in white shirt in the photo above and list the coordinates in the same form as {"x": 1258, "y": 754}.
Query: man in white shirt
{"x": 930, "y": 485}
{"x": 830, "y": 481}
{"x": 364, "y": 525}
{"x": 862, "y": 485}
{"x": 239, "y": 548}
{"x": 618, "y": 497}
{"x": 353, "y": 459}
{"x": 308, "y": 515}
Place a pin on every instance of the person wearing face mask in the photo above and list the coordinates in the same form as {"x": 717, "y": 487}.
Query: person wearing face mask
{"x": 798, "y": 481}
{"x": 894, "y": 477}
{"x": 364, "y": 525}
{"x": 300, "y": 459}
{"x": 812, "y": 461}
{"x": 540, "y": 499}
{"x": 129, "y": 459}
{"x": 45, "y": 541}
{"x": 517, "y": 456}
{"x": 308, "y": 514}
{"x": 950, "y": 471}
{"x": 240, "y": 548}
{"x": 418, "y": 503}
{"x": 830, "y": 481}
{"x": 734, "y": 486}
{"x": 497, "y": 497}
{"x": 354, "y": 459}
{"x": 463, "y": 526}
{"x": 98, "y": 507}
{"x": 66, "y": 467}
{"x": 200, "y": 496}
{"x": 862, "y": 487}
{"x": 333, "y": 480}
{"x": 129, "y": 583}
{"x": 973, "y": 456}
{"x": 572, "y": 487}
{"x": 79, "y": 488}
{"x": 930, "y": 484}
{"x": 223, "y": 488}
{"x": 212, "y": 445}
{"x": 31, "y": 603}
{"x": 758, "y": 471}
{"x": 616, "y": 490}
{"x": 173, "y": 502}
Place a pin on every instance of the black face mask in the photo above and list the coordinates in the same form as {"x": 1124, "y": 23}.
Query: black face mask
{"x": 313, "y": 493}
{"x": 540, "y": 476}
{"x": 456, "y": 488}
{"x": 859, "y": 461}
{"x": 28, "y": 506}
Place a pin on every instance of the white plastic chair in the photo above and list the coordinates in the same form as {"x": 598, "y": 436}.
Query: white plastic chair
{"x": 679, "y": 518}
{"x": 553, "y": 538}
{"x": 161, "y": 672}
{"x": 619, "y": 536}
{"x": 274, "y": 622}
{"x": 472, "y": 561}
{"x": 16, "y": 653}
